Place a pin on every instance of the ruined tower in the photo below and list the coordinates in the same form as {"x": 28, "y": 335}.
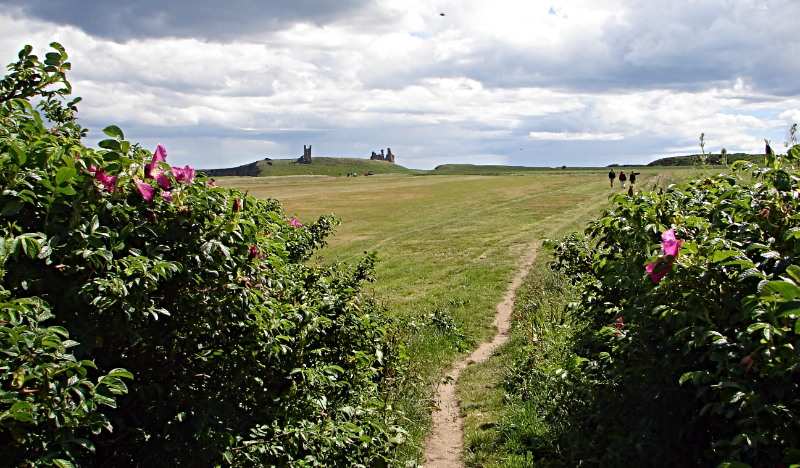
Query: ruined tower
{"x": 306, "y": 158}
{"x": 389, "y": 157}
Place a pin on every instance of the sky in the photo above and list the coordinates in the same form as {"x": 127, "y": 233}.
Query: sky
{"x": 522, "y": 83}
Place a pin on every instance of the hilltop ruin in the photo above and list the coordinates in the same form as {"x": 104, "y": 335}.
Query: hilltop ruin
{"x": 389, "y": 157}
{"x": 306, "y": 158}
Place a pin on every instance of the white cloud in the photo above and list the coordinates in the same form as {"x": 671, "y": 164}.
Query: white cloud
{"x": 617, "y": 81}
{"x": 563, "y": 136}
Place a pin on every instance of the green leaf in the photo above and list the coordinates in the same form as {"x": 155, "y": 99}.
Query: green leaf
{"x": 114, "y": 132}
{"x": 794, "y": 272}
{"x": 60, "y": 463}
{"x": 120, "y": 373}
{"x": 23, "y": 416}
{"x": 750, "y": 273}
{"x": 59, "y": 330}
{"x": 21, "y": 405}
{"x": 65, "y": 174}
{"x": 85, "y": 443}
{"x": 733, "y": 464}
{"x": 12, "y": 207}
{"x": 110, "y": 144}
{"x": 791, "y": 233}
{"x": 685, "y": 377}
{"x": 786, "y": 290}
{"x": 31, "y": 247}
{"x": 721, "y": 255}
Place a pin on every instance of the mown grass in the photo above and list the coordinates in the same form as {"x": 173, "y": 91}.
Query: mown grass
{"x": 340, "y": 167}
{"x": 448, "y": 247}
{"x": 503, "y": 399}
{"x": 446, "y": 244}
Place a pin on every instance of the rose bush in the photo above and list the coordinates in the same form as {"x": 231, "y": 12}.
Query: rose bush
{"x": 681, "y": 354}
{"x": 232, "y": 348}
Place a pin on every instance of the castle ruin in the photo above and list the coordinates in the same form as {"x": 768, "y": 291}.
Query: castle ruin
{"x": 389, "y": 157}
{"x": 306, "y": 158}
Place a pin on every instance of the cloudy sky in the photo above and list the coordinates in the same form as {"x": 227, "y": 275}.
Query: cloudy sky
{"x": 534, "y": 83}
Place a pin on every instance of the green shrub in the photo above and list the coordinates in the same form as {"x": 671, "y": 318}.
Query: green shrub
{"x": 701, "y": 366}
{"x": 240, "y": 353}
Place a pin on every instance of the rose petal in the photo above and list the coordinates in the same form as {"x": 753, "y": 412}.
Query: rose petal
{"x": 188, "y": 173}
{"x": 658, "y": 272}
{"x": 160, "y": 154}
{"x": 178, "y": 173}
{"x": 163, "y": 181}
{"x": 145, "y": 189}
{"x": 166, "y": 196}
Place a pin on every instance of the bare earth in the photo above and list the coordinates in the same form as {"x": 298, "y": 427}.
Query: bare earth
{"x": 443, "y": 447}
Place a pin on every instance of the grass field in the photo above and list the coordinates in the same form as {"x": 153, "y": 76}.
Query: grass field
{"x": 449, "y": 244}
{"x": 340, "y": 167}
{"x": 331, "y": 167}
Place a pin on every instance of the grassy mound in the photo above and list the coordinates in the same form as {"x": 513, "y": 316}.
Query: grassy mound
{"x": 693, "y": 159}
{"x": 330, "y": 167}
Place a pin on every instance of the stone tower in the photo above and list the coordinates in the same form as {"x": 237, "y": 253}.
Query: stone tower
{"x": 388, "y": 156}
{"x": 306, "y": 158}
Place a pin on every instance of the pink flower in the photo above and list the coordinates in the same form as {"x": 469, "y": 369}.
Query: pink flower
{"x": 620, "y": 323}
{"x": 294, "y": 221}
{"x": 237, "y": 205}
{"x": 155, "y": 171}
{"x": 662, "y": 266}
{"x": 163, "y": 181}
{"x": 212, "y": 184}
{"x": 108, "y": 182}
{"x": 188, "y": 174}
{"x": 253, "y": 252}
{"x": 160, "y": 155}
{"x": 166, "y": 196}
{"x": 145, "y": 189}
{"x": 184, "y": 174}
{"x": 669, "y": 244}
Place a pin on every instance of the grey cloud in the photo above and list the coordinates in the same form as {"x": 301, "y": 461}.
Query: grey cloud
{"x": 202, "y": 19}
{"x": 687, "y": 46}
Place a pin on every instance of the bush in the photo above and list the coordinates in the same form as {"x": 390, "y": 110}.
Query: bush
{"x": 700, "y": 365}
{"x": 236, "y": 351}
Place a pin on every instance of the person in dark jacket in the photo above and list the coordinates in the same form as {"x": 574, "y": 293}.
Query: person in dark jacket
{"x": 632, "y": 177}
{"x": 622, "y": 178}
{"x": 611, "y": 176}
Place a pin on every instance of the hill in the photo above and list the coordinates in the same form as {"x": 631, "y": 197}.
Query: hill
{"x": 693, "y": 159}
{"x": 320, "y": 166}
{"x": 471, "y": 169}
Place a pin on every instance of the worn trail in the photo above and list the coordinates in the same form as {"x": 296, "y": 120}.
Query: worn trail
{"x": 444, "y": 446}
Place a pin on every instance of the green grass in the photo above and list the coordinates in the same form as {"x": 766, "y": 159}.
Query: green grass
{"x": 449, "y": 245}
{"x": 693, "y": 159}
{"x": 500, "y": 420}
{"x": 331, "y": 167}
{"x": 444, "y": 242}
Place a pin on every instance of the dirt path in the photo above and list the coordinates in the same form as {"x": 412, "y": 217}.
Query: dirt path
{"x": 443, "y": 447}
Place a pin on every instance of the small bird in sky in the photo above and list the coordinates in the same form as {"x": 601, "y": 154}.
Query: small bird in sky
{"x": 441, "y": 14}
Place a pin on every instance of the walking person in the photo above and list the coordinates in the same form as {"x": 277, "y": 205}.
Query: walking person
{"x": 632, "y": 178}
{"x": 622, "y": 178}
{"x": 611, "y": 176}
